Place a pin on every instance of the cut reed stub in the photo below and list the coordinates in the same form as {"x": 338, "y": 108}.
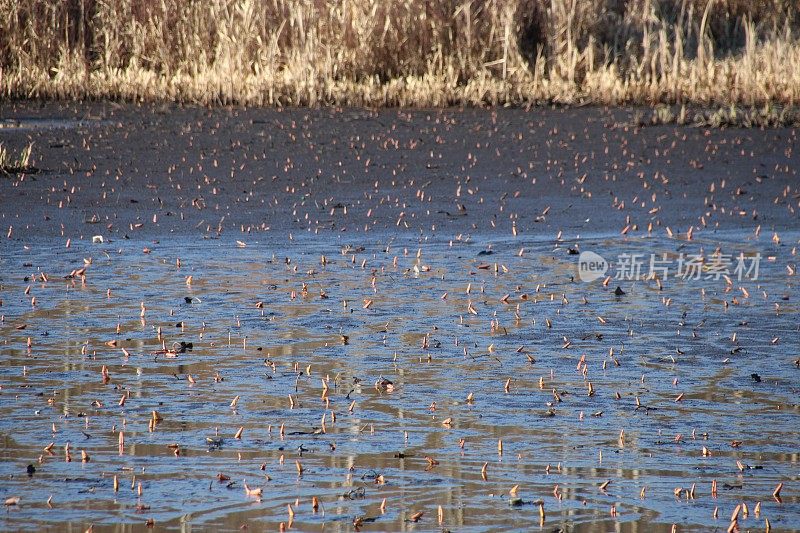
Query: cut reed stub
{"x": 735, "y": 513}
{"x": 252, "y": 491}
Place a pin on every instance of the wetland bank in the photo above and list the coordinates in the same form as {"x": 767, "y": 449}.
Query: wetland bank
{"x": 345, "y": 319}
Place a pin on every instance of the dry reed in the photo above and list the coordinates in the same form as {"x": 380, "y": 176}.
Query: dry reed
{"x": 375, "y": 53}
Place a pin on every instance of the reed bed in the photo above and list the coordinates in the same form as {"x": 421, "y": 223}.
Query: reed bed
{"x": 404, "y": 53}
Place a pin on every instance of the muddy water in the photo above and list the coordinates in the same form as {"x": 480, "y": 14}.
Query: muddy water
{"x": 36, "y": 123}
{"x": 439, "y": 328}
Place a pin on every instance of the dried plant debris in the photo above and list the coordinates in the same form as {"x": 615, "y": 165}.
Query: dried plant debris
{"x": 285, "y": 327}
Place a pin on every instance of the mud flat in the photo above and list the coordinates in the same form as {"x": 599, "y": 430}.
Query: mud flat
{"x": 368, "y": 320}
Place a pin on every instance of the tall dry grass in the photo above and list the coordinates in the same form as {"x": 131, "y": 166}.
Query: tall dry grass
{"x": 409, "y": 53}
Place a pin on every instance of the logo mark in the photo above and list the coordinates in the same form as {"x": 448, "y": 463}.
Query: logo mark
{"x": 591, "y": 266}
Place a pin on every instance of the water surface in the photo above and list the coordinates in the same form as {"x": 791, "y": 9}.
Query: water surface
{"x": 271, "y": 320}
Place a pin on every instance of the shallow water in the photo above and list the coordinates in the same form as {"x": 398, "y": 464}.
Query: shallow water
{"x": 648, "y": 344}
{"x": 37, "y": 123}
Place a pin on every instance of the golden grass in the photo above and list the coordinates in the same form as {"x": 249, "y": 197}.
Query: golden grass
{"x": 404, "y": 53}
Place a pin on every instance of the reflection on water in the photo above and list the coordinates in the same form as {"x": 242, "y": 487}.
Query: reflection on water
{"x": 268, "y": 324}
{"x": 47, "y": 123}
